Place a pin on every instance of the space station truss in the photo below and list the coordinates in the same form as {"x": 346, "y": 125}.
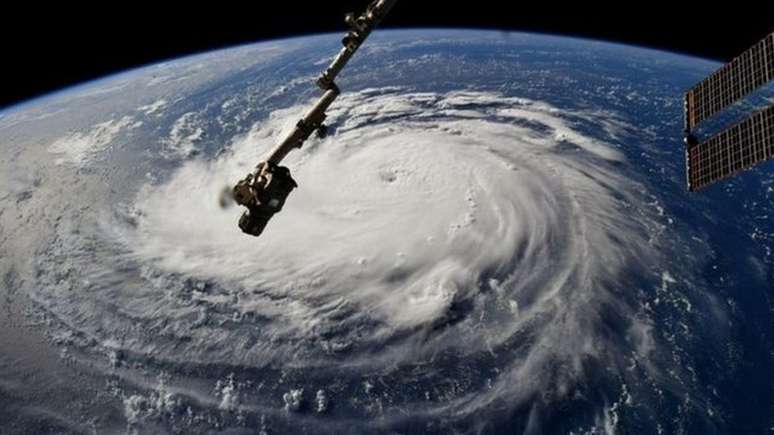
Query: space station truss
{"x": 744, "y": 144}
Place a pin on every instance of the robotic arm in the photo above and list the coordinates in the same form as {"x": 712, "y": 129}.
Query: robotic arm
{"x": 264, "y": 191}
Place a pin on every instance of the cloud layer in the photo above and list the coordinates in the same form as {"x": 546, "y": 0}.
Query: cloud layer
{"x": 446, "y": 256}
{"x": 464, "y": 223}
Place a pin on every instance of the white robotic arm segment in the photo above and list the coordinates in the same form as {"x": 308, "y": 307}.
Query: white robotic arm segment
{"x": 265, "y": 198}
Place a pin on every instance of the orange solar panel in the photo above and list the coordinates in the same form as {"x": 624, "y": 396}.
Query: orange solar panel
{"x": 744, "y": 144}
{"x": 732, "y": 82}
{"x": 735, "y": 149}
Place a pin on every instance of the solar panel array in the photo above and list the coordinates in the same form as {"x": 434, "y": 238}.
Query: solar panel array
{"x": 731, "y": 83}
{"x": 735, "y": 149}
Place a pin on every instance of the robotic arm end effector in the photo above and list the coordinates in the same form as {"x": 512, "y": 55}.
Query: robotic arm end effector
{"x": 263, "y": 192}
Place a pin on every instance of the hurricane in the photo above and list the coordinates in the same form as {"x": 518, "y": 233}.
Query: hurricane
{"x": 450, "y": 260}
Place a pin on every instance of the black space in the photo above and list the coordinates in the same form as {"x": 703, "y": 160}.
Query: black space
{"x": 49, "y": 47}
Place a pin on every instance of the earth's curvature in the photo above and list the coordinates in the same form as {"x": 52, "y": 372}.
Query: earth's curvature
{"x": 494, "y": 238}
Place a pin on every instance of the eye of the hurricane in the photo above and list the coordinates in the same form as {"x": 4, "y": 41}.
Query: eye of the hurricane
{"x": 467, "y": 223}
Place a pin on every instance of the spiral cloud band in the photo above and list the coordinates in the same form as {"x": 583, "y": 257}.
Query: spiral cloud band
{"x": 481, "y": 251}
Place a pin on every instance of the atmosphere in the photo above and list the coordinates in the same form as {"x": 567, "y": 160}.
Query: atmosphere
{"x": 410, "y": 231}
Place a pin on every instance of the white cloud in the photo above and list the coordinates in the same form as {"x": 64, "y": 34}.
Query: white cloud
{"x": 153, "y": 108}
{"x": 79, "y": 148}
{"x": 185, "y": 134}
{"x": 463, "y": 223}
{"x": 464, "y": 194}
{"x": 293, "y": 399}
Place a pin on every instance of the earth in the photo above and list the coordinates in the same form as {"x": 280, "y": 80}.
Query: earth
{"x": 494, "y": 237}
